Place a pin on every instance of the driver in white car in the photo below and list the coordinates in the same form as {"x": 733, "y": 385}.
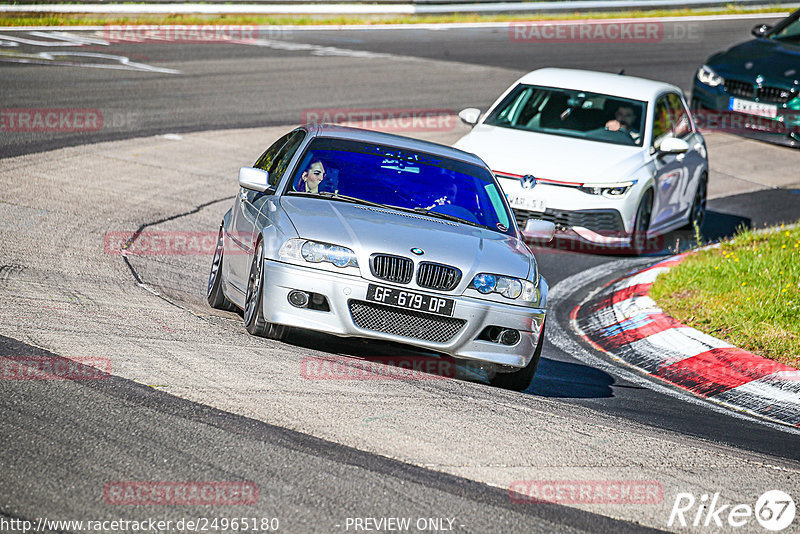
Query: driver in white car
{"x": 624, "y": 121}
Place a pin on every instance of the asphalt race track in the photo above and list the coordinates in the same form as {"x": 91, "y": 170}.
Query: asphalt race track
{"x": 192, "y": 397}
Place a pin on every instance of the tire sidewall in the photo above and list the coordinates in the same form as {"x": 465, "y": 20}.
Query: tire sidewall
{"x": 254, "y": 319}
{"x": 639, "y": 235}
{"x": 215, "y": 277}
{"x": 701, "y": 186}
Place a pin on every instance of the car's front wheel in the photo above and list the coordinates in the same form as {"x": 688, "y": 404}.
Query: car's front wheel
{"x": 641, "y": 224}
{"x": 253, "y": 306}
{"x": 214, "y": 294}
{"x": 520, "y": 379}
{"x": 698, "y": 213}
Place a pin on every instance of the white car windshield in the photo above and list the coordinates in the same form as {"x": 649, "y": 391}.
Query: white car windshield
{"x": 592, "y": 116}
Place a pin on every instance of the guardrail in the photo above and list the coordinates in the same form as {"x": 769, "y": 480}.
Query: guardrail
{"x": 415, "y": 7}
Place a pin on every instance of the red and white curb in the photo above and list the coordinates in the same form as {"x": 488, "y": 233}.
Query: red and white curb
{"x": 624, "y": 322}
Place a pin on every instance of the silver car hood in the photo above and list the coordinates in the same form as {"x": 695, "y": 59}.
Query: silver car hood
{"x": 367, "y": 230}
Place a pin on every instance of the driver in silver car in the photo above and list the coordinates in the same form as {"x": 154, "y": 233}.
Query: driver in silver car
{"x": 312, "y": 177}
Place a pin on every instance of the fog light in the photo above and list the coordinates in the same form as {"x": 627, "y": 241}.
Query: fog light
{"x": 298, "y": 299}
{"x": 508, "y": 337}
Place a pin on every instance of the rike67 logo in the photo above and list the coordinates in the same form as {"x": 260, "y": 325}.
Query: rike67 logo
{"x": 774, "y": 510}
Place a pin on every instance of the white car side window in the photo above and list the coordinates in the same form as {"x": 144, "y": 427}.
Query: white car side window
{"x": 662, "y": 122}
{"x": 681, "y": 125}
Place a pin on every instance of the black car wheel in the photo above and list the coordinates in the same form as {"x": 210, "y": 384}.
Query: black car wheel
{"x": 521, "y": 379}
{"x": 698, "y": 213}
{"x": 253, "y": 311}
{"x": 642, "y": 224}
{"x": 214, "y": 294}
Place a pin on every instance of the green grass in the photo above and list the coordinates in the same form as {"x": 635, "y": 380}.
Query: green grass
{"x": 746, "y": 292}
{"x": 82, "y": 19}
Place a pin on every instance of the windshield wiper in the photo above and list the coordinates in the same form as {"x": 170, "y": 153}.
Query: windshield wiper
{"x": 344, "y": 198}
{"x": 424, "y": 211}
{"x": 354, "y": 200}
{"x": 436, "y": 214}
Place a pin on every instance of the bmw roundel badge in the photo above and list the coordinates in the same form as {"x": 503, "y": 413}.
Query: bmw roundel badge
{"x": 418, "y": 251}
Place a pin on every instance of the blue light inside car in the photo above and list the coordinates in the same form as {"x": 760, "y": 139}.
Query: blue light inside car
{"x": 484, "y": 283}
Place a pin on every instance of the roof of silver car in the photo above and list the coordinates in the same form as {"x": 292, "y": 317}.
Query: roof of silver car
{"x": 399, "y": 141}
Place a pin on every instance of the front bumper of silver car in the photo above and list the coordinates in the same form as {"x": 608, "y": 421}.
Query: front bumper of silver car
{"x": 350, "y": 314}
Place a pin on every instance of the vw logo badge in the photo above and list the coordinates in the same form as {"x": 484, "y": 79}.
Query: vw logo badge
{"x": 418, "y": 251}
{"x": 528, "y": 181}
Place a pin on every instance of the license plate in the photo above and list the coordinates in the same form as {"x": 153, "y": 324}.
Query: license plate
{"x": 410, "y": 301}
{"x": 753, "y": 108}
{"x": 526, "y": 202}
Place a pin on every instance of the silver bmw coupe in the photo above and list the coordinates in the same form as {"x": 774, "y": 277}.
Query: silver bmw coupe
{"x": 358, "y": 233}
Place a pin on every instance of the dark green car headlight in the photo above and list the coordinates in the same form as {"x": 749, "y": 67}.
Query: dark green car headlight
{"x": 706, "y": 75}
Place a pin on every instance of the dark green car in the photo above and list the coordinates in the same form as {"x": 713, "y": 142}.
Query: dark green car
{"x": 753, "y": 88}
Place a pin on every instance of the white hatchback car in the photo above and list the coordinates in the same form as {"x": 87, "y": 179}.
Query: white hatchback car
{"x": 611, "y": 159}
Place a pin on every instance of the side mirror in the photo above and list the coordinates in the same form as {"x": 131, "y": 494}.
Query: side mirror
{"x": 539, "y": 230}
{"x": 469, "y": 116}
{"x": 673, "y": 145}
{"x": 760, "y": 30}
{"x": 254, "y": 179}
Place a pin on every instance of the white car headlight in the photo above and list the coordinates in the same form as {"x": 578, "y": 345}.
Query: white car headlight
{"x": 315, "y": 252}
{"x": 510, "y": 288}
{"x": 706, "y": 75}
{"x": 617, "y": 190}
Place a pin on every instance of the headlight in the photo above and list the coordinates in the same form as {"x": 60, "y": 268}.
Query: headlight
{"x": 510, "y": 288}
{"x": 608, "y": 190}
{"x": 706, "y": 75}
{"x": 315, "y": 252}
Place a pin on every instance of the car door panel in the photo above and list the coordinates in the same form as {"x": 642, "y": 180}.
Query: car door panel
{"x": 695, "y": 164}
{"x": 254, "y": 206}
{"x": 683, "y": 129}
{"x": 239, "y": 239}
{"x": 671, "y": 170}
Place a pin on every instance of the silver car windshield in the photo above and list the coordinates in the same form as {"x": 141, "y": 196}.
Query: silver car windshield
{"x": 592, "y": 116}
{"x": 358, "y": 171}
